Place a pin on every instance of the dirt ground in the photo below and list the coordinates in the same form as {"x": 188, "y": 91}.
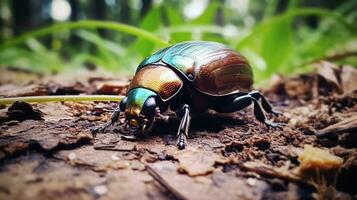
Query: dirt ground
{"x": 47, "y": 150}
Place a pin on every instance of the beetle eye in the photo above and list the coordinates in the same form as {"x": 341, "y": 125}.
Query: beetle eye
{"x": 149, "y": 107}
{"x": 122, "y": 104}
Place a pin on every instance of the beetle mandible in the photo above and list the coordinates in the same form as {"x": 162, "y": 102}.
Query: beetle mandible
{"x": 189, "y": 77}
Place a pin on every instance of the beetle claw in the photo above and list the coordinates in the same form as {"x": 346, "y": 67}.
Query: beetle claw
{"x": 181, "y": 145}
{"x": 181, "y": 141}
{"x": 99, "y": 129}
{"x": 275, "y": 112}
{"x": 270, "y": 124}
{"x": 129, "y": 137}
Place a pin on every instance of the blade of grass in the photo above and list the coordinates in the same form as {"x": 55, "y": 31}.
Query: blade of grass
{"x": 86, "y": 24}
{"x": 296, "y": 13}
{"x": 322, "y": 13}
{"x": 100, "y": 42}
{"x": 43, "y": 99}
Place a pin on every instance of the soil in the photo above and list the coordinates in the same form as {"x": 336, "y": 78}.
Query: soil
{"x": 47, "y": 150}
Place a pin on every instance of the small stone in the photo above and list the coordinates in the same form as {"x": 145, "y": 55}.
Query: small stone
{"x": 32, "y": 178}
{"x": 137, "y": 165}
{"x": 100, "y": 190}
{"x": 251, "y": 182}
{"x": 225, "y": 140}
{"x": 115, "y": 157}
{"x": 72, "y": 156}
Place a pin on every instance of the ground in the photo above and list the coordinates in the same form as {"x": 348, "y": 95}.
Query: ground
{"x": 47, "y": 150}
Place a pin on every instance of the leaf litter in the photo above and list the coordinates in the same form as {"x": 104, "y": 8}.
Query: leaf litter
{"x": 54, "y": 155}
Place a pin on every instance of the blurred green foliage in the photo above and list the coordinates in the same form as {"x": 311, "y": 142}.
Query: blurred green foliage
{"x": 273, "y": 43}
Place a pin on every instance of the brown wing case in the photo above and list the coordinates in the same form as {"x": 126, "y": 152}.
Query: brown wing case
{"x": 224, "y": 73}
{"x": 159, "y": 79}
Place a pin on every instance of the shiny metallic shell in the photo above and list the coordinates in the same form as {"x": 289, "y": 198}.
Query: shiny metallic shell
{"x": 213, "y": 68}
{"x": 162, "y": 80}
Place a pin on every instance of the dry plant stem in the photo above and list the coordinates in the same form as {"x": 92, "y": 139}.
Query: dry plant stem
{"x": 176, "y": 194}
{"x": 43, "y": 99}
{"x": 333, "y": 57}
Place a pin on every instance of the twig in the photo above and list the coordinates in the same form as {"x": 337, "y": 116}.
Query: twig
{"x": 331, "y": 57}
{"x": 343, "y": 126}
{"x": 111, "y": 147}
{"x": 340, "y": 56}
{"x": 270, "y": 172}
{"x": 104, "y": 147}
{"x": 176, "y": 194}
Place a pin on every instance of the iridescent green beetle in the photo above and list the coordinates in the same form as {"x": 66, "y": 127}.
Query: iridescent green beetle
{"x": 189, "y": 77}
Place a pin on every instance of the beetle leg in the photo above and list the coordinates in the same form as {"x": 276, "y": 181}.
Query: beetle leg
{"x": 265, "y": 103}
{"x": 241, "y": 102}
{"x": 182, "y": 133}
{"x": 114, "y": 118}
{"x": 259, "y": 114}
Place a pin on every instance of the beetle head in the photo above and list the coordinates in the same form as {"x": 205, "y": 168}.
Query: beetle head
{"x": 139, "y": 108}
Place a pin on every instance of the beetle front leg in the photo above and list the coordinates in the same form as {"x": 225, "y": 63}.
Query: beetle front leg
{"x": 259, "y": 114}
{"x": 114, "y": 118}
{"x": 182, "y": 132}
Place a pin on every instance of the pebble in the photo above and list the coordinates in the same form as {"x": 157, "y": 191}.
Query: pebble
{"x": 251, "y": 182}
{"x": 115, "y": 157}
{"x": 72, "y": 156}
{"x": 100, "y": 190}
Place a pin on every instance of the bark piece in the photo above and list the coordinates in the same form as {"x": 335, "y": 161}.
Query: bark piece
{"x": 112, "y": 87}
{"x": 47, "y": 136}
{"x": 10, "y": 90}
{"x": 197, "y": 162}
{"x": 21, "y": 111}
{"x": 219, "y": 185}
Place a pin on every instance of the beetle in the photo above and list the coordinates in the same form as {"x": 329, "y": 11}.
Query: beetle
{"x": 189, "y": 77}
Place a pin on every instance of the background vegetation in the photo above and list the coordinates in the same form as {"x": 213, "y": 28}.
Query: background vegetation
{"x": 276, "y": 36}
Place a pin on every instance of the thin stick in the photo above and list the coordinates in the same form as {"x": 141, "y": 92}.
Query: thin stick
{"x": 177, "y": 195}
{"x": 333, "y": 57}
{"x": 42, "y": 99}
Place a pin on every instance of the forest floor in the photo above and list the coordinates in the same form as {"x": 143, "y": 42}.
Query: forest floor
{"x": 47, "y": 150}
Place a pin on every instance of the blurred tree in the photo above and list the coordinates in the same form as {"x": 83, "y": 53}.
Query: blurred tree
{"x": 219, "y": 19}
{"x": 146, "y": 5}
{"x": 75, "y": 16}
{"x": 99, "y": 12}
{"x": 125, "y": 12}
{"x": 74, "y": 10}
{"x": 22, "y": 16}
{"x": 28, "y": 15}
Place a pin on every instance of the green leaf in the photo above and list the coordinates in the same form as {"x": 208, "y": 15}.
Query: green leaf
{"x": 277, "y": 44}
{"x": 208, "y": 16}
{"x": 173, "y": 16}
